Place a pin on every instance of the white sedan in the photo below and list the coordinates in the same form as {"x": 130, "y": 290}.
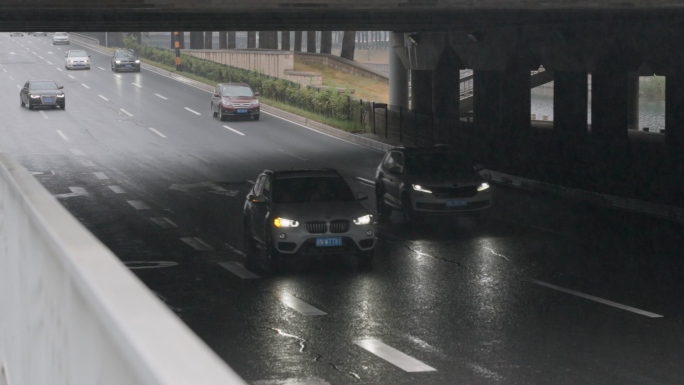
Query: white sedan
{"x": 60, "y": 38}
{"x": 76, "y": 59}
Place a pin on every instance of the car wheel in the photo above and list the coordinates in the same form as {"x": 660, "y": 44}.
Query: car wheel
{"x": 213, "y": 113}
{"x": 384, "y": 211}
{"x": 28, "y": 104}
{"x": 274, "y": 260}
{"x": 22, "y": 101}
{"x": 407, "y": 210}
{"x": 220, "y": 114}
{"x": 63, "y": 106}
{"x": 256, "y": 117}
{"x": 366, "y": 258}
{"x": 250, "y": 247}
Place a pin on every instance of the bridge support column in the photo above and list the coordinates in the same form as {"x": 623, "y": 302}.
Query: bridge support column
{"x": 446, "y": 86}
{"x": 674, "y": 117}
{"x": 486, "y": 86}
{"x": 398, "y": 76}
{"x": 570, "y": 102}
{"x": 421, "y": 91}
{"x": 633, "y": 101}
{"x": 609, "y": 106}
{"x": 515, "y": 101}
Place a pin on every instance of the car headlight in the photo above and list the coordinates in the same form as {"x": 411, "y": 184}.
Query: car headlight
{"x": 483, "y": 186}
{"x": 34, "y": 96}
{"x": 137, "y": 62}
{"x": 420, "y": 188}
{"x": 364, "y": 220}
{"x": 282, "y": 222}
{"x": 255, "y": 102}
{"x": 60, "y": 96}
{"x": 117, "y": 61}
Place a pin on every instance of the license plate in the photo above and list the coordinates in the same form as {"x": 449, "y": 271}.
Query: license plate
{"x": 128, "y": 66}
{"x": 329, "y": 242}
{"x": 456, "y": 203}
{"x": 49, "y": 100}
{"x": 242, "y": 111}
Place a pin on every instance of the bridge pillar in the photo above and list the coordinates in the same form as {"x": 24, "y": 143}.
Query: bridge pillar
{"x": 515, "y": 100}
{"x": 674, "y": 117}
{"x": 486, "y": 86}
{"x": 609, "y": 106}
{"x": 398, "y": 76}
{"x": 421, "y": 91}
{"x": 446, "y": 85}
{"x": 570, "y": 102}
{"x": 633, "y": 101}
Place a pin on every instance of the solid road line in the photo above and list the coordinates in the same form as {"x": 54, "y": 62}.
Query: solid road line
{"x": 597, "y": 299}
{"x": 393, "y": 356}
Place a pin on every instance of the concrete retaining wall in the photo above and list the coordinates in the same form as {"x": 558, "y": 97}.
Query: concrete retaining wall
{"x": 343, "y": 65}
{"x": 72, "y": 314}
{"x": 267, "y": 62}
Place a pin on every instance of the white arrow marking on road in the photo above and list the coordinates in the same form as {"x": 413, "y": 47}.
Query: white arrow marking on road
{"x": 393, "y": 356}
{"x": 101, "y": 68}
{"x": 75, "y": 192}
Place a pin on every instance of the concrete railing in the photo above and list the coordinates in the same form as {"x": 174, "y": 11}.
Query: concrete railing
{"x": 72, "y": 314}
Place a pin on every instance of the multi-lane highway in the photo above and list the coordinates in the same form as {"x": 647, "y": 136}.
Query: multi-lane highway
{"x": 547, "y": 292}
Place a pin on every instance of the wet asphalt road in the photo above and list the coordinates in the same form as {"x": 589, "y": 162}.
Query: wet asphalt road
{"x": 545, "y": 292}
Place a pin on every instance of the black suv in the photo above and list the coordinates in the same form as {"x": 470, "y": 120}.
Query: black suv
{"x": 125, "y": 60}
{"x": 297, "y": 213}
{"x": 430, "y": 181}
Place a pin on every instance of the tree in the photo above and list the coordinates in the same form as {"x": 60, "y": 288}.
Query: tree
{"x": 326, "y": 42}
{"x": 311, "y": 41}
{"x": 298, "y": 41}
{"x": 348, "y": 45}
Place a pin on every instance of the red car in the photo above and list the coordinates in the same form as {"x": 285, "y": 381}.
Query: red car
{"x": 236, "y": 100}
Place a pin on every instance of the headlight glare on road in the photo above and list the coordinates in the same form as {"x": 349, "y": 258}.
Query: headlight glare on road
{"x": 282, "y": 222}
{"x": 364, "y": 220}
{"x": 420, "y": 188}
{"x": 483, "y": 186}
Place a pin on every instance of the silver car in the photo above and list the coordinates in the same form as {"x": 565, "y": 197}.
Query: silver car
{"x": 76, "y": 59}
{"x": 60, "y": 38}
{"x": 298, "y": 213}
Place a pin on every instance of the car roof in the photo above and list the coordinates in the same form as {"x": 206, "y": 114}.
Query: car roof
{"x": 234, "y": 84}
{"x": 303, "y": 173}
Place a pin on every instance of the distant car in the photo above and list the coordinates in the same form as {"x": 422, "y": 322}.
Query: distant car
{"x": 39, "y": 34}
{"x": 234, "y": 100}
{"x": 76, "y": 58}
{"x": 125, "y": 60}
{"x": 42, "y": 93}
{"x": 13, "y": 34}
{"x": 430, "y": 181}
{"x": 60, "y": 38}
{"x": 297, "y": 213}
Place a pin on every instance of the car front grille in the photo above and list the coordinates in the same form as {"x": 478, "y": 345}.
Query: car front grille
{"x": 458, "y": 192}
{"x": 320, "y": 227}
{"x": 241, "y": 105}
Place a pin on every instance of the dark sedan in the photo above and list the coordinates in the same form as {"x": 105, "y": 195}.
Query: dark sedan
{"x": 42, "y": 93}
{"x": 125, "y": 60}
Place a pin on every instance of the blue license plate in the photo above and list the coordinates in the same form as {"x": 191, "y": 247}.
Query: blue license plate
{"x": 128, "y": 66}
{"x": 242, "y": 111}
{"x": 329, "y": 242}
{"x": 456, "y": 203}
{"x": 49, "y": 100}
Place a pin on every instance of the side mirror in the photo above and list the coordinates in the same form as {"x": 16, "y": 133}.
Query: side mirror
{"x": 362, "y": 196}
{"x": 60, "y": 87}
{"x": 256, "y": 94}
{"x": 259, "y": 199}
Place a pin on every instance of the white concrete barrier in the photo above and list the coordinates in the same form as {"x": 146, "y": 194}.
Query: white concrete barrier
{"x": 72, "y": 314}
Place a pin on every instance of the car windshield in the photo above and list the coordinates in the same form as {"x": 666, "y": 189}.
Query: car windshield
{"x": 60, "y": 34}
{"x": 77, "y": 53}
{"x": 235, "y": 91}
{"x": 126, "y": 54}
{"x": 311, "y": 189}
{"x": 440, "y": 163}
{"x": 43, "y": 86}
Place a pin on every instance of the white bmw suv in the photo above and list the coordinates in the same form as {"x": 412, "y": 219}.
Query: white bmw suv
{"x": 299, "y": 213}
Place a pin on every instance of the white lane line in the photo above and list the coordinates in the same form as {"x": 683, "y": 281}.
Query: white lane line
{"x": 296, "y": 157}
{"x": 234, "y": 130}
{"x": 19, "y": 87}
{"x": 44, "y": 114}
{"x": 238, "y": 270}
{"x": 12, "y": 78}
{"x": 76, "y": 151}
{"x": 234, "y": 249}
{"x": 63, "y": 136}
{"x": 117, "y": 189}
{"x": 197, "y": 243}
{"x": 49, "y": 63}
{"x": 59, "y": 69}
{"x": 163, "y": 97}
{"x": 88, "y": 163}
{"x": 118, "y": 76}
{"x": 75, "y": 192}
{"x": 41, "y": 58}
{"x": 299, "y": 305}
{"x": 165, "y": 223}
{"x": 194, "y": 112}
{"x": 365, "y": 181}
{"x": 293, "y": 381}
{"x": 137, "y": 85}
{"x": 393, "y": 356}
{"x": 71, "y": 77}
{"x": 126, "y": 112}
{"x": 101, "y": 68}
{"x": 138, "y": 205}
{"x": 4, "y": 70}
{"x": 85, "y": 86}
{"x": 157, "y": 132}
{"x": 103, "y": 98}
{"x": 100, "y": 175}
{"x": 597, "y": 299}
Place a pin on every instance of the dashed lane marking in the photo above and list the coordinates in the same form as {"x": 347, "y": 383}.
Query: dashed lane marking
{"x": 164, "y": 223}
{"x": 393, "y": 356}
{"x": 126, "y": 112}
{"x": 100, "y": 175}
{"x": 87, "y": 163}
{"x": 299, "y": 305}
{"x": 71, "y": 76}
{"x": 296, "y": 157}
{"x": 157, "y": 132}
{"x": 197, "y": 243}
{"x": 62, "y": 135}
{"x": 76, "y": 151}
{"x": 44, "y": 114}
{"x": 137, "y": 85}
{"x": 234, "y": 130}
{"x": 194, "y": 112}
{"x": 85, "y": 86}
{"x": 238, "y": 270}
{"x": 103, "y": 98}
{"x": 138, "y": 205}
{"x": 597, "y": 299}
{"x": 159, "y": 96}
{"x": 117, "y": 189}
